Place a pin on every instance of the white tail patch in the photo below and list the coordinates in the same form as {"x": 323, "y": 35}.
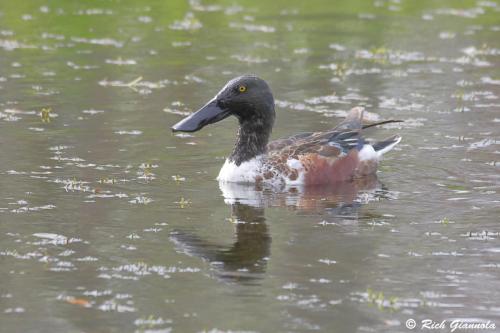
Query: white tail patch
{"x": 367, "y": 153}
{"x": 388, "y": 147}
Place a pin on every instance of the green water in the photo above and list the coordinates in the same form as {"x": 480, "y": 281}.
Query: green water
{"x": 110, "y": 223}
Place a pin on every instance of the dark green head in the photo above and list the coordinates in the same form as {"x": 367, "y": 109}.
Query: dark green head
{"x": 246, "y": 97}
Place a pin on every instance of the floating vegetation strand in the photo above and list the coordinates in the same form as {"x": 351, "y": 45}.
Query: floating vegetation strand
{"x": 45, "y": 115}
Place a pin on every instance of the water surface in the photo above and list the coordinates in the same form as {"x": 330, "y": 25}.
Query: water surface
{"x": 110, "y": 223}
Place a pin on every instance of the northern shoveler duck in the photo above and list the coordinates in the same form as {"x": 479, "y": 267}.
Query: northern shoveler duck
{"x": 339, "y": 154}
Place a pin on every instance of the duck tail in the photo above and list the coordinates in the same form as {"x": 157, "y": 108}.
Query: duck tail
{"x": 386, "y": 145}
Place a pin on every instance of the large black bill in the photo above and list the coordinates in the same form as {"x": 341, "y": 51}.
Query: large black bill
{"x": 209, "y": 114}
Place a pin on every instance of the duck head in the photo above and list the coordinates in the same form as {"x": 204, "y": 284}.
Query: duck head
{"x": 247, "y": 97}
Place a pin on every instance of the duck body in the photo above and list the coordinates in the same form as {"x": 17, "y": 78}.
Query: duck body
{"x": 315, "y": 158}
{"x": 340, "y": 154}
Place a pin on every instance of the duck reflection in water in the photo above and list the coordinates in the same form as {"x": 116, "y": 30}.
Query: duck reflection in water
{"x": 246, "y": 259}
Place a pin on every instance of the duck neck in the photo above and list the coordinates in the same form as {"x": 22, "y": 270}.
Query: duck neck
{"x": 251, "y": 142}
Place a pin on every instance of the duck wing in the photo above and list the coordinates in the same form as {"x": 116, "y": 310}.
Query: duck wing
{"x": 332, "y": 143}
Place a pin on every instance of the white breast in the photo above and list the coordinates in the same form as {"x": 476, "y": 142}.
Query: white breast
{"x": 243, "y": 173}
{"x": 247, "y": 172}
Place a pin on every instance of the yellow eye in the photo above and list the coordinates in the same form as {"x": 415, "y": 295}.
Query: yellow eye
{"x": 242, "y": 88}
